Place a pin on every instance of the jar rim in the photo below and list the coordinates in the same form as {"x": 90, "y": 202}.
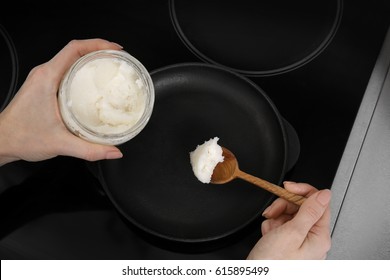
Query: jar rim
{"x": 89, "y": 133}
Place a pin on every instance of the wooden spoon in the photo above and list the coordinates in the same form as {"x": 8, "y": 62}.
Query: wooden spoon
{"x": 228, "y": 170}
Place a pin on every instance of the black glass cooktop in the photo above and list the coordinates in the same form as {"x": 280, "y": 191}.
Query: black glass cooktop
{"x": 9, "y": 69}
{"x": 57, "y": 209}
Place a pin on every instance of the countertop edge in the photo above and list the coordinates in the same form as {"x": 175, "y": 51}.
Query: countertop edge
{"x": 359, "y": 130}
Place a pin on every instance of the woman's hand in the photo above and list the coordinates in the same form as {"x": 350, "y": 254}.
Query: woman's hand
{"x": 31, "y": 127}
{"x": 292, "y": 232}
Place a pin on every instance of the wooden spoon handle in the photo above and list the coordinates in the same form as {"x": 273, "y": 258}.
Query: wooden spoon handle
{"x": 272, "y": 188}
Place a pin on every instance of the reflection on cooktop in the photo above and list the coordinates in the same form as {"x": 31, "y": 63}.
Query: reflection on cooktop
{"x": 9, "y": 68}
{"x": 57, "y": 209}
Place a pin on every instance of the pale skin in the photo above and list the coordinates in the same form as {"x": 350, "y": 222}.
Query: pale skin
{"x": 31, "y": 129}
{"x": 290, "y": 232}
{"x": 31, "y": 126}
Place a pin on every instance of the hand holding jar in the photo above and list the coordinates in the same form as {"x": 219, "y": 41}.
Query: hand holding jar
{"x": 31, "y": 126}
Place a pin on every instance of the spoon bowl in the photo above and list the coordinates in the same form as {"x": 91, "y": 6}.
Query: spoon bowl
{"x": 228, "y": 170}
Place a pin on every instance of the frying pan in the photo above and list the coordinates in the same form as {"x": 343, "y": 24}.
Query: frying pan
{"x": 153, "y": 185}
{"x": 254, "y": 37}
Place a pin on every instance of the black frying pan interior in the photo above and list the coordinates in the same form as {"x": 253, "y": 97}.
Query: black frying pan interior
{"x": 153, "y": 185}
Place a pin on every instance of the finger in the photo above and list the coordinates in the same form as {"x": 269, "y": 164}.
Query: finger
{"x": 324, "y": 221}
{"x": 310, "y": 212}
{"x": 270, "y": 224}
{"x": 319, "y": 240}
{"x": 280, "y": 205}
{"x": 320, "y": 232}
{"x": 303, "y": 189}
{"x": 76, "y": 49}
{"x": 77, "y": 147}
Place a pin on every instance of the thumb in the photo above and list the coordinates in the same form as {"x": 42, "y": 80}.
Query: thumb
{"x": 311, "y": 211}
{"x": 83, "y": 149}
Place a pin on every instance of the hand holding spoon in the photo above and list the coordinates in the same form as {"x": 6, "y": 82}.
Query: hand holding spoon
{"x": 228, "y": 170}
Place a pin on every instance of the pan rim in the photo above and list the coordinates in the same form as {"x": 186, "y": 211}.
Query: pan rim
{"x": 15, "y": 66}
{"x": 236, "y": 229}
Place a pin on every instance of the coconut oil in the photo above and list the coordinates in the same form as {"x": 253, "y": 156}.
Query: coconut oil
{"x": 106, "y": 97}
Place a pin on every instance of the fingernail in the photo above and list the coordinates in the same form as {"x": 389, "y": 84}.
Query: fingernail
{"x": 288, "y": 182}
{"x": 119, "y": 46}
{"x": 114, "y": 155}
{"x": 266, "y": 211}
{"x": 324, "y": 197}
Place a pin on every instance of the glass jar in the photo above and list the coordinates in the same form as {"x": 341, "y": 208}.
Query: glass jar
{"x": 106, "y": 97}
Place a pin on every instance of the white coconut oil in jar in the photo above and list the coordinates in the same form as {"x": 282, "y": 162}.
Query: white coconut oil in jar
{"x": 106, "y": 97}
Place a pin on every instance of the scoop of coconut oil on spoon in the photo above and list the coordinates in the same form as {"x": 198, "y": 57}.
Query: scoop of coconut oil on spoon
{"x": 228, "y": 169}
